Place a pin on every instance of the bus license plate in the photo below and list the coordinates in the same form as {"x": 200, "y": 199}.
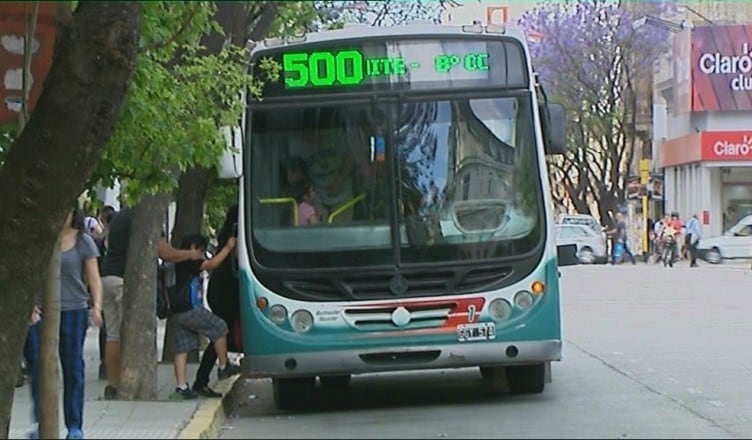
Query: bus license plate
{"x": 480, "y": 331}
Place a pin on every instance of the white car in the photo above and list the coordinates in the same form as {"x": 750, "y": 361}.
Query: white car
{"x": 580, "y": 219}
{"x": 734, "y": 243}
{"x": 591, "y": 245}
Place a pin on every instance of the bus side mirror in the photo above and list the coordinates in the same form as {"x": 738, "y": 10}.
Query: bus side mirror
{"x": 567, "y": 255}
{"x": 554, "y": 129}
{"x": 231, "y": 163}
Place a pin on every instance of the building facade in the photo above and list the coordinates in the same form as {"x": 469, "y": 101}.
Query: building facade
{"x": 13, "y": 16}
{"x": 485, "y": 11}
{"x": 703, "y": 123}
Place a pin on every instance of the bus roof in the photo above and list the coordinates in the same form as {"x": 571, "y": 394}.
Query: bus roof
{"x": 357, "y": 31}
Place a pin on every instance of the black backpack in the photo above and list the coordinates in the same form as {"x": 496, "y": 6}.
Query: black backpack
{"x": 165, "y": 284}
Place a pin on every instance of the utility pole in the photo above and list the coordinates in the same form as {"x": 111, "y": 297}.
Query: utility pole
{"x": 644, "y": 180}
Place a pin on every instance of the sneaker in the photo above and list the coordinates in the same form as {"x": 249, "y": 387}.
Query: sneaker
{"x": 110, "y": 393}
{"x": 33, "y": 433}
{"x": 183, "y": 394}
{"x": 205, "y": 391}
{"x": 75, "y": 434}
{"x": 228, "y": 371}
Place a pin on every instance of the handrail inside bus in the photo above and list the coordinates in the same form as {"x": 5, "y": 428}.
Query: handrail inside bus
{"x": 282, "y": 200}
{"x": 345, "y": 206}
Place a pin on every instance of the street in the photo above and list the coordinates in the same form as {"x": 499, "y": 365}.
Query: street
{"x": 649, "y": 352}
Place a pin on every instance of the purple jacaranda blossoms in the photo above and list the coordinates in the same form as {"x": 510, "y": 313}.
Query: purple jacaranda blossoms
{"x": 589, "y": 46}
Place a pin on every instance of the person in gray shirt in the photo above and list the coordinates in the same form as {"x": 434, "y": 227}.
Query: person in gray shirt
{"x": 80, "y": 305}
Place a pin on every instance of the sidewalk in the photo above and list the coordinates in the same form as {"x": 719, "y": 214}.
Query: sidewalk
{"x": 162, "y": 418}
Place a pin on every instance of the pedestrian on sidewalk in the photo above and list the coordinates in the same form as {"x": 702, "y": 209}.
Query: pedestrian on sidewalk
{"x": 190, "y": 318}
{"x": 113, "y": 270}
{"x": 223, "y": 297}
{"x": 80, "y": 287}
{"x": 693, "y": 236}
{"x": 104, "y": 217}
{"x": 620, "y": 236}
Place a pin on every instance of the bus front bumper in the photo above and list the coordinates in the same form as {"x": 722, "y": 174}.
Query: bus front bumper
{"x": 401, "y": 358}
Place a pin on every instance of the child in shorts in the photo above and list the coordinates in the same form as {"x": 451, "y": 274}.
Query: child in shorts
{"x": 190, "y": 318}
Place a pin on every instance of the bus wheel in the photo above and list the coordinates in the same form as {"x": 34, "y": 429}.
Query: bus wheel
{"x": 293, "y": 392}
{"x": 495, "y": 378}
{"x": 487, "y": 373}
{"x": 338, "y": 382}
{"x": 526, "y": 379}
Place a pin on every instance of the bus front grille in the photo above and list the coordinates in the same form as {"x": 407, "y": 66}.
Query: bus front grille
{"x": 421, "y": 316}
{"x": 381, "y": 286}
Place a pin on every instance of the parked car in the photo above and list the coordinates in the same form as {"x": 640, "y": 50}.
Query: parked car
{"x": 581, "y": 219}
{"x": 591, "y": 244}
{"x": 735, "y": 243}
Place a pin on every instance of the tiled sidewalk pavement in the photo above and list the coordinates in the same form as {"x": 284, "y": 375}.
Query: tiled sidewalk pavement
{"x": 123, "y": 419}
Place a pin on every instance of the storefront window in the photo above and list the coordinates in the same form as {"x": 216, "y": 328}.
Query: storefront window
{"x": 737, "y": 196}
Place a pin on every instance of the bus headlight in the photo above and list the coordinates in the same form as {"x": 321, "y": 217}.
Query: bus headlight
{"x": 500, "y": 309}
{"x": 523, "y": 299}
{"x": 278, "y": 314}
{"x": 302, "y": 321}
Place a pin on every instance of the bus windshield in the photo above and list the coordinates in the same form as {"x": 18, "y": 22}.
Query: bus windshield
{"x": 394, "y": 182}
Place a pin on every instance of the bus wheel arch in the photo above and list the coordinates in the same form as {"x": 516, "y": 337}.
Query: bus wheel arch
{"x": 526, "y": 379}
{"x": 336, "y": 382}
{"x": 293, "y": 393}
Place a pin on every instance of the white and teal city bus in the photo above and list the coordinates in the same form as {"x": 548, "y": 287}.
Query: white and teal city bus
{"x": 425, "y": 148}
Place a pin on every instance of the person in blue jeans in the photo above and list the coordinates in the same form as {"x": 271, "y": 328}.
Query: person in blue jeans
{"x": 620, "y": 236}
{"x": 80, "y": 286}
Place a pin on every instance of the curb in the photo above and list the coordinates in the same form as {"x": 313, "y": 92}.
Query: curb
{"x": 210, "y": 414}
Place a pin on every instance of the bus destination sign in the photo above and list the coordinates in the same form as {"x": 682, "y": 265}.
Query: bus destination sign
{"x": 352, "y": 67}
{"x": 412, "y": 64}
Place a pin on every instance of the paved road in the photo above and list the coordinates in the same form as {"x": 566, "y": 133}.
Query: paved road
{"x": 649, "y": 352}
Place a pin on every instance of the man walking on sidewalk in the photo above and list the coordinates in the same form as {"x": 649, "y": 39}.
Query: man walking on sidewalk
{"x": 693, "y": 232}
{"x": 620, "y": 236}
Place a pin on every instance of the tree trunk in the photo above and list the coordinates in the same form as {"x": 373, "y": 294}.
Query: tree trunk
{"x": 138, "y": 369}
{"x": 31, "y": 25}
{"x": 189, "y": 212}
{"x": 49, "y": 358}
{"x": 50, "y": 162}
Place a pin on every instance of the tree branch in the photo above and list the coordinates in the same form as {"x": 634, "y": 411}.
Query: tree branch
{"x": 378, "y": 21}
{"x": 173, "y": 37}
{"x": 264, "y": 20}
{"x": 31, "y": 25}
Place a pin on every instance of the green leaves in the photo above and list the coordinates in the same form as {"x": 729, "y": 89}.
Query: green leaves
{"x": 178, "y": 99}
{"x": 168, "y": 25}
{"x": 294, "y": 18}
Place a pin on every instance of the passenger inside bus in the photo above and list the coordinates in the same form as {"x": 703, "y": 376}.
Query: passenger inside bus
{"x": 304, "y": 193}
{"x": 296, "y": 170}
{"x": 328, "y": 160}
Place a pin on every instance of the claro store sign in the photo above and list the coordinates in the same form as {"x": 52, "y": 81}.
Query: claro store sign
{"x": 722, "y": 68}
{"x": 726, "y": 145}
